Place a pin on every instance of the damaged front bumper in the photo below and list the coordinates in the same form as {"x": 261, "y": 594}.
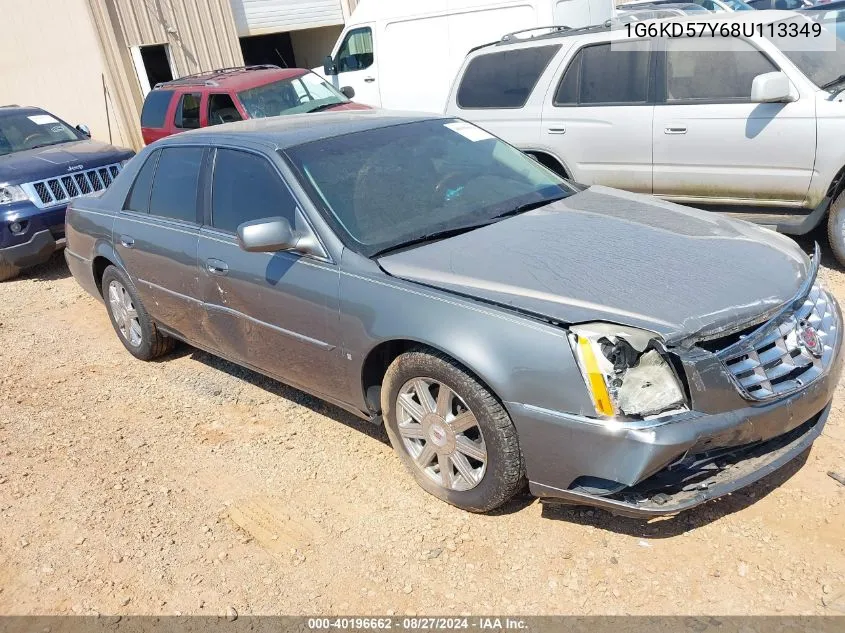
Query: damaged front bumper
{"x": 665, "y": 465}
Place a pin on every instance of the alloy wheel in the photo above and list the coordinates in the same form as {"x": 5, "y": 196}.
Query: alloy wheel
{"x": 441, "y": 434}
{"x": 124, "y": 313}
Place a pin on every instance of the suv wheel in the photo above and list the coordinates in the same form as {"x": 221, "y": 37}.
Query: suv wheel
{"x": 134, "y": 327}
{"x": 836, "y": 227}
{"x": 451, "y": 432}
{"x": 7, "y": 271}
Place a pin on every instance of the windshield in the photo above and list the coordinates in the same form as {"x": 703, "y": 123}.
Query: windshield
{"x": 820, "y": 66}
{"x": 738, "y": 5}
{"x": 306, "y": 93}
{"x": 391, "y": 186}
{"x": 22, "y": 131}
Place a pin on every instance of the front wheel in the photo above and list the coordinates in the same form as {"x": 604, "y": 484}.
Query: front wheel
{"x": 451, "y": 432}
{"x": 836, "y": 227}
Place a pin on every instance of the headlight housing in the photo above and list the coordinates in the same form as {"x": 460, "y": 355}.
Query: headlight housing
{"x": 626, "y": 371}
{"x": 11, "y": 193}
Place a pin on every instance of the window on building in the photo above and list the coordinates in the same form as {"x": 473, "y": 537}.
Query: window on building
{"x": 605, "y": 74}
{"x": 504, "y": 79}
{"x": 174, "y": 193}
{"x": 246, "y": 187}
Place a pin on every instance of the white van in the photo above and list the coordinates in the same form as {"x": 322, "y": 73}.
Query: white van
{"x": 403, "y": 54}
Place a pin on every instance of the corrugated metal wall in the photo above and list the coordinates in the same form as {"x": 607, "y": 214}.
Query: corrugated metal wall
{"x": 256, "y": 17}
{"x": 201, "y": 33}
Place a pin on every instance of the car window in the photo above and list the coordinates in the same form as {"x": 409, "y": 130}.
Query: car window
{"x": 138, "y": 199}
{"x": 29, "y": 129}
{"x": 305, "y": 93}
{"x": 722, "y": 72}
{"x": 504, "y": 79}
{"x": 356, "y": 52}
{"x": 606, "y": 74}
{"x": 820, "y": 63}
{"x": 247, "y": 187}
{"x": 188, "y": 111}
{"x": 221, "y": 109}
{"x": 174, "y": 193}
{"x": 155, "y": 108}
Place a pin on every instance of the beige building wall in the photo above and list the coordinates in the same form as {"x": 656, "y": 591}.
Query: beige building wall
{"x": 201, "y": 33}
{"x": 310, "y": 46}
{"x": 50, "y": 57}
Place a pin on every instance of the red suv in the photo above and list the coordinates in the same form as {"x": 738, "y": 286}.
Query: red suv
{"x": 234, "y": 94}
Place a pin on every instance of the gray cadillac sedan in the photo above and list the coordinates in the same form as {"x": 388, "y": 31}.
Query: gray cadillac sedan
{"x": 506, "y": 325}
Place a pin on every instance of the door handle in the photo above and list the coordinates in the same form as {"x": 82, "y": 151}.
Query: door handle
{"x": 216, "y": 267}
{"x": 127, "y": 241}
{"x": 675, "y": 130}
{"x": 557, "y": 130}
{"x": 369, "y": 80}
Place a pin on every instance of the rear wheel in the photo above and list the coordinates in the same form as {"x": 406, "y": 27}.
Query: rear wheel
{"x": 836, "y": 227}
{"x": 451, "y": 432}
{"x": 7, "y": 271}
{"x": 134, "y": 327}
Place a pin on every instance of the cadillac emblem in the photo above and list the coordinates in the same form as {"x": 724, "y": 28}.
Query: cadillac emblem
{"x": 809, "y": 339}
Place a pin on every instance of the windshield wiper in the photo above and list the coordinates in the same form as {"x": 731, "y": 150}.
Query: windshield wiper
{"x": 40, "y": 145}
{"x": 428, "y": 237}
{"x": 325, "y": 106}
{"x": 830, "y": 84}
{"x": 528, "y": 206}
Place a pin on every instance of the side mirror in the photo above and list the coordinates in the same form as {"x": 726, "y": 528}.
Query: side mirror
{"x": 329, "y": 67}
{"x": 84, "y": 129}
{"x": 267, "y": 236}
{"x": 348, "y": 91}
{"x": 771, "y": 88}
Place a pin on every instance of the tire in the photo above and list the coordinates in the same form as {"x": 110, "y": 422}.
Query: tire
{"x": 475, "y": 484}
{"x": 836, "y": 227}
{"x": 131, "y": 322}
{"x": 7, "y": 271}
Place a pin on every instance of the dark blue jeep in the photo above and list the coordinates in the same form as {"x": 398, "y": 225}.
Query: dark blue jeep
{"x": 45, "y": 163}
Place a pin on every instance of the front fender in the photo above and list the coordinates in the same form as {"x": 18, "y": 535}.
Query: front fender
{"x": 520, "y": 358}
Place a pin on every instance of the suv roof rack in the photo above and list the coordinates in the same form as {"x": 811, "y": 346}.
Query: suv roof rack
{"x": 10, "y": 105}
{"x": 551, "y": 32}
{"x": 209, "y": 78}
{"x": 549, "y": 29}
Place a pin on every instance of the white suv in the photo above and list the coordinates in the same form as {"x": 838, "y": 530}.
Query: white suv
{"x": 749, "y": 128}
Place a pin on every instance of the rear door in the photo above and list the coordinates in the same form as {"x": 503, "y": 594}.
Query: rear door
{"x": 266, "y": 310}
{"x": 713, "y": 145}
{"x": 156, "y": 237}
{"x": 598, "y": 116}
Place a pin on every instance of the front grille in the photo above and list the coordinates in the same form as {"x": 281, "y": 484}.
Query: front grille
{"x": 46, "y": 193}
{"x": 779, "y": 360}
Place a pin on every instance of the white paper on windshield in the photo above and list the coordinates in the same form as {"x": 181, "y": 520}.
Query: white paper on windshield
{"x": 467, "y": 130}
{"x": 42, "y": 119}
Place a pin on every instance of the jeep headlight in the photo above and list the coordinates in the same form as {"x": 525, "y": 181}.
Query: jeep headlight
{"x": 11, "y": 193}
{"x": 626, "y": 371}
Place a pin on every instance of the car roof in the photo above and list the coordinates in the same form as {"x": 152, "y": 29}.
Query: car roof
{"x": 546, "y": 34}
{"x": 8, "y": 110}
{"x": 296, "y": 129}
{"x": 236, "y": 78}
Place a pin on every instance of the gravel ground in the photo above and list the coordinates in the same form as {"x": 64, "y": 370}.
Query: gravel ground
{"x": 192, "y": 486}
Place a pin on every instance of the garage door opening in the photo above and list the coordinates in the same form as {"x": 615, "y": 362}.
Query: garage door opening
{"x": 153, "y": 65}
{"x": 275, "y": 48}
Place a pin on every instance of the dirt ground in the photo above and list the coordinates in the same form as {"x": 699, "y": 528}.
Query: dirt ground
{"x": 192, "y": 486}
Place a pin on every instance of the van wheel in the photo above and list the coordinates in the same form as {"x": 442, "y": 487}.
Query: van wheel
{"x": 451, "y": 432}
{"x": 7, "y": 271}
{"x": 134, "y": 327}
{"x": 836, "y": 227}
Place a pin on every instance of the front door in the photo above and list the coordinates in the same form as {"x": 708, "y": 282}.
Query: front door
{"x": 357, "y": 66}
{"x": 712, "y": 144}
{"x": 270, "y": 311}
{"x": 597, "y": 118}
{"x": 156, "y": 237}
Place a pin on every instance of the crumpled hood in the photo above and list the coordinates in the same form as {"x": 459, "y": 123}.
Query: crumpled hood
{"x": 58, "y": 160}
{"x": 609, "y": 255}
